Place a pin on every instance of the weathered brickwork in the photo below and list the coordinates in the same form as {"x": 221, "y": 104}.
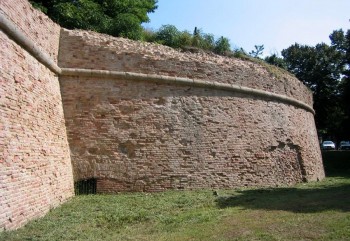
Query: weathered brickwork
{"x": 139, "y": 136}
{"x": 35, "y": 165}
{"x": 144, "y": 136}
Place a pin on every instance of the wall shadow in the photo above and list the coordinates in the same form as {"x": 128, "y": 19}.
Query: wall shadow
{"x": 309, "y": 200}
{"x": 336, "y": 162}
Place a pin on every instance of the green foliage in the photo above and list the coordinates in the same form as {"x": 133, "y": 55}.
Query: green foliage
{"x": 207, "y": 41}
{"x": 184, "y": 39}
{"x": 241, "y": 53}
{"x": 39, "y": 5}
{"x": 196, "y": 37}
{"x": 115, "y": 17}
{"x": 319, "y": 68}
{"x": 125, "y": 25}
{"x": 148, "y": 35}
{"x": 82, "y": 14}
{"x": 203, "y": 40}
{"x": 277, "y": 61}
{"x": 168, "y": 35}
{"x": 222, "y": 46}
{"x": 259, "y": 50}
{"x": 341, "y": 42}
{"x": 326, "y": 71}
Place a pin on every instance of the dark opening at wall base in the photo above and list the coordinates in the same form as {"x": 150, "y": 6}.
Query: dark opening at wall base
{"x": 84, "y": 187}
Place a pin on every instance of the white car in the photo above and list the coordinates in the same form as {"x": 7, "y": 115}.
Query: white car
{"x": 344, "y": 145}
{"x": 328, "y": 145}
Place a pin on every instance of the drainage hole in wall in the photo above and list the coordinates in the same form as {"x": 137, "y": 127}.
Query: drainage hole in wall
{"x": 86, "y": 186}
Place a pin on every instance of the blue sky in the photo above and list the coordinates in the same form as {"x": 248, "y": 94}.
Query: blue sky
{"x": 276, "y": 24}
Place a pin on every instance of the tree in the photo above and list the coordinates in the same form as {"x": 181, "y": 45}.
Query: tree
{"x": 196, "y": 37}
{"x": 259, "y": 49}
{"x": 222, "y": 46}
{"x": 277, "y": 61}
{"x": 341, "y": 42}
{"x": 185, "y": 39}
{"x": 168, "y": 35}
{"x": 208, "y": 41}
{"x": 114, "y": 17}
{"x": 203, "y": 40}
{"x": 319, "y": 68}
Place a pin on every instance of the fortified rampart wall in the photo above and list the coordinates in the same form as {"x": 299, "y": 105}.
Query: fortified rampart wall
{"x": 35, "y": 164}
{"x": 139, "y": 117}
{"x": 181, "y": 120}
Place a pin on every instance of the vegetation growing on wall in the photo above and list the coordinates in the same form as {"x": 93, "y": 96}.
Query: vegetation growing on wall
{"x": 169, "y": 35}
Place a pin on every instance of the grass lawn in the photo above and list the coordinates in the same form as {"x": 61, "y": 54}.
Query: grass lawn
{"x": 311, "y": 211}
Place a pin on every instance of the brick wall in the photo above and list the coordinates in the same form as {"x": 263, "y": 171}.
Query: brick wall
{"x": 35, "y": 166}
{"x": 145, "y": 136}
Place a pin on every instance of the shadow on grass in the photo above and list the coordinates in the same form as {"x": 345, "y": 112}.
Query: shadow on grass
{"x": 336, "y": 162}
{"x": 330, "y": 196}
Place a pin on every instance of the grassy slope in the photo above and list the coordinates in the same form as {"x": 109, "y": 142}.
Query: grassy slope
{"x": 313, "y": 211}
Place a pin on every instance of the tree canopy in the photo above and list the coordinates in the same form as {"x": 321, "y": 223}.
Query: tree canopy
{"x": 341, "y": 42}
{"x": 325, "y": 69}
{"x": 259, "y": 50}
{"x": 121, "y": 18}
{"x": 319, "y": 68}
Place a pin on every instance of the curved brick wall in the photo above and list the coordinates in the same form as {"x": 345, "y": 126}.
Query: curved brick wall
{"x": 35, "y": 165}
{"x": 141, "y": 135}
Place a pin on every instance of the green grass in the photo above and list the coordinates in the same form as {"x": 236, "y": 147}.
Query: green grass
{"x": 310, "y": 211}
{"x": 313, "y": 211}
